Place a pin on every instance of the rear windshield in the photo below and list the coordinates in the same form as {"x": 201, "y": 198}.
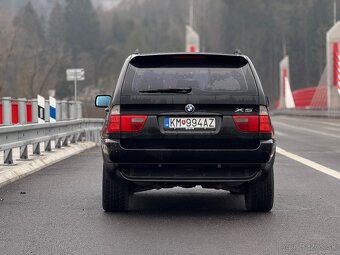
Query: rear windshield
{"x": 202, "y": 80}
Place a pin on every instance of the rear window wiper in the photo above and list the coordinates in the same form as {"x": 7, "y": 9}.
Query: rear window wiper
{"x": 175, "y": 91}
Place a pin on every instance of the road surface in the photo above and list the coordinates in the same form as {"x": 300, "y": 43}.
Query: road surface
{"x": 58, "y": 210}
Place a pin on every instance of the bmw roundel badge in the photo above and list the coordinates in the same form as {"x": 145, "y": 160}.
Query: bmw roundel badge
{"x": 189, "y": 108}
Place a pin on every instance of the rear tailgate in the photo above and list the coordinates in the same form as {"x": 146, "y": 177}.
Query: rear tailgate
{"x": 222, "y": 87}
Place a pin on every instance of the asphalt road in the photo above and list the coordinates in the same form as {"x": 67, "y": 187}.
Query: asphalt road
{"x": 58, "y": 210}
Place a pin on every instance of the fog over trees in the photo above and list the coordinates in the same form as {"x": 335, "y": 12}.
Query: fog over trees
{"x": 38, "y": 44}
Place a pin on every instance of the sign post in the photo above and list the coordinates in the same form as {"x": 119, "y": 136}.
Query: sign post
{"x": 75, "y": 75}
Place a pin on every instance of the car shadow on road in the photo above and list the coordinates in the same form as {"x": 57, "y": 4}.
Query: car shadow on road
{"x": 184, "y": 203}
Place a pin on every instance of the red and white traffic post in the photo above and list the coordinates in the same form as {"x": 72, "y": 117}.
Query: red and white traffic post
{"x": 192, "y": 40}
{"x": 333, "y": 67}
{"x": 286, "y": 95}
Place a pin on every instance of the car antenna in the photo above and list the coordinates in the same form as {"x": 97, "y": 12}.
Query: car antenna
{"x": 237, "y": 52}
{"x": 137, "y": 52}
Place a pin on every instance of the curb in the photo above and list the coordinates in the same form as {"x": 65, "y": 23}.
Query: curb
{"x": 23, "y": 169}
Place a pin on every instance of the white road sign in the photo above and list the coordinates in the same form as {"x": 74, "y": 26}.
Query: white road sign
{"x": 75, "y": 74}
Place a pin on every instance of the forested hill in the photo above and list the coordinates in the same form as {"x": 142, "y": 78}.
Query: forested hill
{"x": 42, "y": 6}
{"x": 36, "y": 47}
{"x": 45, "y": 6}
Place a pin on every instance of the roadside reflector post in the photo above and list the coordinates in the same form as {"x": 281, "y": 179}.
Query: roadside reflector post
{"x": 47, "y": 111}
{"x": 41, "y": 109}
{"x": 52, "y": 109}
{"x": 7, "y": 111}
{"x": 34, "y": 111}
{"x": 22, "y": 110}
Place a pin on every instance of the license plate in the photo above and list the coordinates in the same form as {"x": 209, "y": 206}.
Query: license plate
{"x": 189, "y": 123}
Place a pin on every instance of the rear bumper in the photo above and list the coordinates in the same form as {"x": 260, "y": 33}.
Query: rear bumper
{"x": 195, "y": 165}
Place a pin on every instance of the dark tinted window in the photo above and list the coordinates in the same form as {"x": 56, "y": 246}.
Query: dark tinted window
{"x": 204, "y": 79}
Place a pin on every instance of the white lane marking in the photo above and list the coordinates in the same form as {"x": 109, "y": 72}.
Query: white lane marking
{"x": 307, "y": 129}
{"x": 310, "y": 121}
{"x": 332, "y": 129}
{"x": 279, "y": 133}
{"x": 331, "y": 124}
{"x": 309, "y": 163}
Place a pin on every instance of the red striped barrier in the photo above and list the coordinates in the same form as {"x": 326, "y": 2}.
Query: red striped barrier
{"x": 303, "y": 97}
{"x": 15, "y": 113}
{"x": 309, "y": 98}
{"x": 29, "y": 112}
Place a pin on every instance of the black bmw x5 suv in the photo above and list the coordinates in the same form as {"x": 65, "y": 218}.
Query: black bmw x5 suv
{"x": 185, "y": 120}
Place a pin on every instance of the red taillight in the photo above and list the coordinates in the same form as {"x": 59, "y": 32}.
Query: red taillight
{"x": 253, "y": 123}
{"x": 131, "y": 123}
{"x": 114, "y": 124}
{"x": 265, "y": 125}
{"x": 126, "y": 123}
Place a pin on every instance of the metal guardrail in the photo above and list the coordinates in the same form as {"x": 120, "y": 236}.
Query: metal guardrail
{"x": 23, "y": 111}
{"x": 21, "y": 136}
{"x": 307, "y": 113}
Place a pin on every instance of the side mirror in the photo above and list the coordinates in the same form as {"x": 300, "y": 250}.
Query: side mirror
{"x": 102, "y": 101}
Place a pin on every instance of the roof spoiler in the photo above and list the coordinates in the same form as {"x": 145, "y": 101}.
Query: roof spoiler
{"x": 188, "y": 60}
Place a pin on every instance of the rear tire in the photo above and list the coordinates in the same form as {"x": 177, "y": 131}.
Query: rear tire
{"x": 115, "y": 195}
{"x": 259, "y": 196}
